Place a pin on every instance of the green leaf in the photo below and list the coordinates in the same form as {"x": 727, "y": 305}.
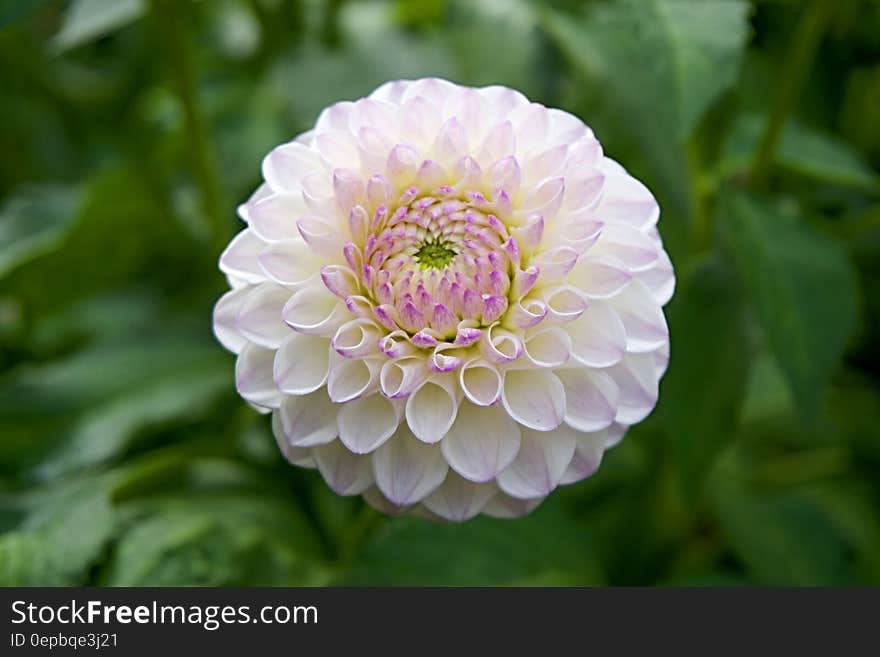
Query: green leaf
{"x": 666, "y": 60}
{"x": 705, "y": 386}
{"x": 62, "y": 537}
{"x": 802, "y": 285}
{"x": 34, "y": 222}
{"x": 218, "y": 540}
{"x": 87, "y": 20}
{"x": 783, "y": 538}
{"x": 802, "y": 150}
{"x": 545, "y": 547}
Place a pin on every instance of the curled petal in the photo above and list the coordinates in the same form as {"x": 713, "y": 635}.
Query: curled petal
{"x": 432, "y": 408}
{"x": 357, "y": 338}
{"x": 525, "y": 313}
{"x": 546, "y": 199}
{"x": 351, "y": 379}
{"x": 500, "y": 345}
{"x": 565, "y": 303}
{"x": 555, "y": 263}
{"x": 400, "y": 378}
{"x": 480, "y": 382}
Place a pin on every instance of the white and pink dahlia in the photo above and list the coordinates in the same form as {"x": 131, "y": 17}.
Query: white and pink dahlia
{"x": 448, "y": 298}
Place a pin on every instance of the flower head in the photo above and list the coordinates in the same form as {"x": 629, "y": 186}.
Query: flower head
{"x": 448, "y": 298}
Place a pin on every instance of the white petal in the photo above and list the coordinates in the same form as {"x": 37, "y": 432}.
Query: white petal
{"x": 399, "y": 378}
{"x": 540, "y": 463}
{"x": 299, "y": 456}
{"x": 301, "y": 364}
{"x": 365, "y": 423}
{"x": 458, "y": 500}
{"x": 591, "y": 398}
{"x": 407, "y": 469}
{"x": 357, "y": 338}
{"x": 481, "y": 382}
{"x": 549, "y": 347}
{"x": 253, "y": 376}
{"x": 614, "y": 434}
{"x": 308, "y": 420}
{"x": 636, "y": 376}
{"x": 285, "y": 166}
{"x": 583, "y": 191}
{"x": 660, "y": 279}
{"x": 431, "y": 409}
{"x": 587, "y": 457}
{"x": 600, "y": 276}
{"x": 625, "y": 199}
{"x": 598, "y": 338}
{"x": 482, "y": 442}
{"x": 274, "y": 218}
{"x": 315, "y": 311}
{"x": 374, "y": 497}
{"x": 225, "y": 314}
{"x": 344, "y": 472}
{"x": 637, "y": 251}
{"x": 239, "y": 259}
{"x": 259, "y": 318}
{"x": 350, "y": 379}
{"x": 290, "y": 262}
{"x": 642, "y": 318}
{"x": 534, "y": 398}
{"x": 504, "y": 506}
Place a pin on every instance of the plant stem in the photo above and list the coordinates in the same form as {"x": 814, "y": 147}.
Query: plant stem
{"x": 802, "y": 51}
{"x": 173, "y": 23}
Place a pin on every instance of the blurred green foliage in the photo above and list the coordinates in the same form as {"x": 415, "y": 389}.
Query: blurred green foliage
{"x": 130, "y": 129}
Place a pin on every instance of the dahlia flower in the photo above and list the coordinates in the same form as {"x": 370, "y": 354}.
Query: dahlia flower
{"x": 448, "y": 298}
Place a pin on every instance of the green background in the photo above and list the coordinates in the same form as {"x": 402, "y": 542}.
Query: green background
{"x": 130, "y": 129}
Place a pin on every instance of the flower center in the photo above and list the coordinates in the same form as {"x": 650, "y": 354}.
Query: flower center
{"x": 435, "y": 254}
